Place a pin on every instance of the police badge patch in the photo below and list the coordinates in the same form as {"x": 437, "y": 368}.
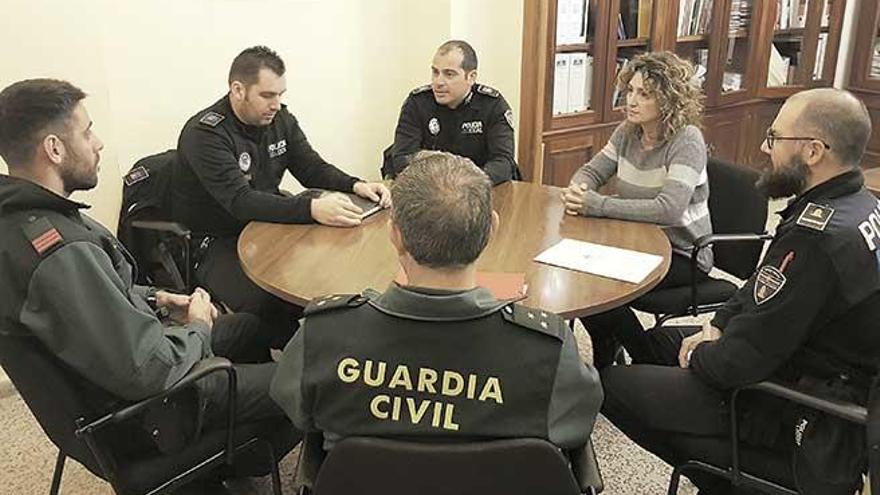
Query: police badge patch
{"x": 212, "y": 119}
{"x": 508, "y": 116}
{"x": 769, "y": 281}
{"x": 244, "y": 162}
{"x": 434, "y": 126}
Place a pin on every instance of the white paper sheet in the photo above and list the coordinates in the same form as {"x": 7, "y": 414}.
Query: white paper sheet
{"x": 606, "y": 261}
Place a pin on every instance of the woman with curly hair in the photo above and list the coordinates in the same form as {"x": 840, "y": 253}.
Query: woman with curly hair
{"x": 659, "y": 157}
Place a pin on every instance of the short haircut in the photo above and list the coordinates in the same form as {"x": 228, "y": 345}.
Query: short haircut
{"x": 469, "y": 56}
{"x": 246, "y": 66}
{"x": 838, "y": 118}
{"x": 442, "y": 205}
{"x": 31, "y": 109}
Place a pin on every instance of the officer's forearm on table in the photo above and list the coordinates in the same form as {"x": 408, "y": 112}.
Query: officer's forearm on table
{"x": 251, "y": 205}
{"x": 95, "y": 328}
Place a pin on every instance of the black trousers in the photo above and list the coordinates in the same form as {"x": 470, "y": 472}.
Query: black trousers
{"x": 220, "y": 272}
{"x": 242, "y": 339}
{"x": 672, "y": 413}
{"x": 605, "y": 328}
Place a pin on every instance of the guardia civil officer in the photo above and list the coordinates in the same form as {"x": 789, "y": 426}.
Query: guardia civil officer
{"x": 232, "y": 156}
{"x": 456, "y": 114}
{"x": 439, "y": 358}
{"x": 807, "y": 318}
{"x": 67, "y": 282}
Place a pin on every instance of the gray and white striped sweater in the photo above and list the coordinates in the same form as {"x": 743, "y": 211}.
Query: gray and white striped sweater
{"x": 666, "y": 185}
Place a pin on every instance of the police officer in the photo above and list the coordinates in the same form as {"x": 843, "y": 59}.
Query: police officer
{"x": 232, "y": 156}
{"x": 440, "y": 357}
{"x": 807, "y": 318}
{"x": 457, "y": 115}
{"x": 67, "y": 282}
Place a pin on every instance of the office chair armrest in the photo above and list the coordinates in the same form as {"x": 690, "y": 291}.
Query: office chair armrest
{"x": 585, "y": 468}
{"x": 175, "y": 228}
{"x": 842, "y": 409}
{"x": 199, "y": 370}
{"x": 707, "y": 240}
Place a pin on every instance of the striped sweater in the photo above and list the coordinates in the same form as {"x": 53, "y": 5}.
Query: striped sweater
{"x": 666, "y": 185}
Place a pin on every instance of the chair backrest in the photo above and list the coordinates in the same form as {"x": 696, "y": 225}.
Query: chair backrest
{"x": 736, "y": 207}
{"x": 380, "y": 466}
{"x": 50, "y": 392}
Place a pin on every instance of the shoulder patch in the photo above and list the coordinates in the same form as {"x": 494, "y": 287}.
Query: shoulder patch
{"x": 334, "y": 301}
{"x": 421, "y": 89}
{"x": 768, "y": 282}
{"x": 815, "y": 216}
{"x": 212, "y": 119}
{"x": 488, "y": 91}
{"x": 533, "y": 319}
{"x": 136, "y": 175}
{"x": 42, "y": 234}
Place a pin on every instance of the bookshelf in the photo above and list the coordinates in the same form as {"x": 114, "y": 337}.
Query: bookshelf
{"x": 570, "y": 104}
{"x": 865, "y": 75}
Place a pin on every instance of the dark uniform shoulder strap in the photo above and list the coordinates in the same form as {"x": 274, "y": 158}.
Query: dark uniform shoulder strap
{"x": 421, "y": 89}
{"x": 487, "y": 90}
{"x": 815, "y": 216}
{"x": 42, "y": 234}
{"x": 211, "y": 118}
{"x": 334, "y": 301}
{"x": 534, "y": 319}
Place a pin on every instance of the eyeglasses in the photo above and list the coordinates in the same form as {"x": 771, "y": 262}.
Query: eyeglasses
{"x": 771, "y": 139}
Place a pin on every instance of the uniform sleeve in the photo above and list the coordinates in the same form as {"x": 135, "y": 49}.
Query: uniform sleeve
{"x": 306, "y": 164}
{"x": 596, "y": 172}
{"x": 288, "y": 384}
{"x": 213, "y": 160}
{"x": 761, "y": 337}
{"x": 576, "y": 398}
{"x": 686, "y": 170}
{"x": 500, "y": 163}
{"x": 407, "y": 136}
{"x": 94, "y": 327}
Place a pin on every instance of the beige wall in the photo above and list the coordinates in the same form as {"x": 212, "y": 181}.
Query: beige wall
{"x": 148, "y": 65}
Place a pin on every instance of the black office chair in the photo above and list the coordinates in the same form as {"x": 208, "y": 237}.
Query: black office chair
{"x": 739, "y": 215}
{"x": 161, "y": 248}
{"x": 840, "y": 409}
{"x": 377, "y": 466}
{"x": 122, "y": 447}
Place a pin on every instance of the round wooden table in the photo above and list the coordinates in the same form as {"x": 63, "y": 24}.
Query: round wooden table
{"x": 872, "y": 180}
{"x": 300, "y": 262}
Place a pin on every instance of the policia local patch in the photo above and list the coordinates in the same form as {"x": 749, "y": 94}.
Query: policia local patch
{"x": 768, "y": 283}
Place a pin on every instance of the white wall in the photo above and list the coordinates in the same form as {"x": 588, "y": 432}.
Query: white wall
{"x": 148, "y": 65}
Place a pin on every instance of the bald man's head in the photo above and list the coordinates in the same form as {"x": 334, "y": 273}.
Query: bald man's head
{"x": 836, "y": 117}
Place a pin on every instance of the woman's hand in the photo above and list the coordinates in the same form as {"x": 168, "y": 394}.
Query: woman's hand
{"x": 574, "y": 198}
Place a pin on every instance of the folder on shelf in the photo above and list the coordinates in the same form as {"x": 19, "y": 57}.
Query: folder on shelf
{"x": 597, "y": 259}
{"x": 560, "y": 83}
{"x": 645, "y": 12}
{"x": 577, "y": 81}
{"x": 504, "y": 286}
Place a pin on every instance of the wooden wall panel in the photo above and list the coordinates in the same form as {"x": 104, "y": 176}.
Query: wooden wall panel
{"x": 564, "y": 155}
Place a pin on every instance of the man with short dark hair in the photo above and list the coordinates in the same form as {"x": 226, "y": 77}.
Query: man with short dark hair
{"x": 232, "y": 156}
{"x": 440, "y": 357}
{"x": 457, "y": 115}
{"x": 807, "y": 318}
{"x": 68, "y": 283}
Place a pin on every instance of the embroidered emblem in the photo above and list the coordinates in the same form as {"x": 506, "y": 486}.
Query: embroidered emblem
{"x": 488, "y": 90}
{"x": 434, "y": 126}
{"x": 508, "y": 116}
{"x": 815, "y": 216}
{"x": 42, "y": 234}
{"x": 244, "y": 162}
{"x": 212, "y": 119}
{"x": 768, "y": 282}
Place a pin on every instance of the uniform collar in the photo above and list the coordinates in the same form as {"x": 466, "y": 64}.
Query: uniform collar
{"x": 469, "y": 101}
{"x": 842, "y": 185}
{"x": 426, "y": 304}
{"x": 253, "y": 131}
{"x": 22, "y": 194}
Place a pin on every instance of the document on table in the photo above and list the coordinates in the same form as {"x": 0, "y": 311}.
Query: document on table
{"x": 606, "y": 261}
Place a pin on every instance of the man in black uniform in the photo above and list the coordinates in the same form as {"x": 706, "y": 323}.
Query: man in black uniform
{"x": 440, "y": 357}
{"x": 232, "y": 156}
{"x": 68, "y": 283}
{"x": 807, "y": 318}
{"x": 457, "y": 115}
